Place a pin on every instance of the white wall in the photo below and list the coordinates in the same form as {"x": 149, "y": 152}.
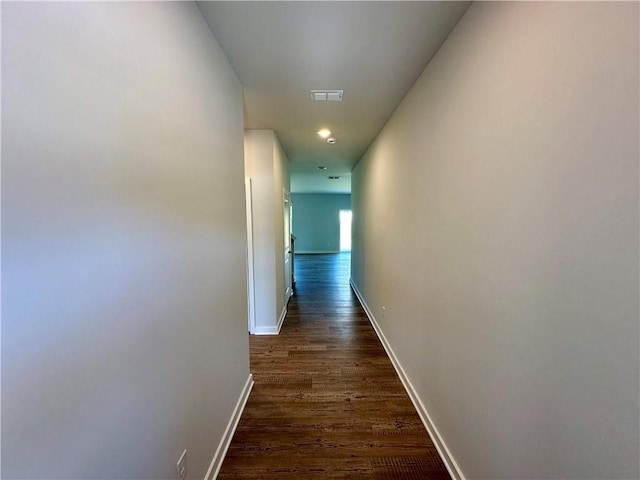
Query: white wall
{"x": 268, "y": 168}
{"x": 281, "y": 178}
{"x": 123, "y": 295}
{"x": 496, "y": 219}
{"x": 259, "y": 167}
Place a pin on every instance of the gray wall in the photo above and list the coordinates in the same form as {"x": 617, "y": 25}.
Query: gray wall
{"x": 316, "y": 222}
{"x": 281, "y": 182}
{"x": 268, "y": 168}
{"x": 496, "y": 219}
{"x": 123, "y": 240}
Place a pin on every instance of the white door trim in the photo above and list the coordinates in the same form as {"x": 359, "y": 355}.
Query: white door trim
{"x": 251, "y": 296}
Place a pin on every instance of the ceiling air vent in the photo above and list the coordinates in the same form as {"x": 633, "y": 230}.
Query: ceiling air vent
{"x": 334, "y": 178}
{"x": 327, "y": 95}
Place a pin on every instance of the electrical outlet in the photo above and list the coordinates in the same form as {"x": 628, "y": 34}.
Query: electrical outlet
{"x": 182, "y": 466}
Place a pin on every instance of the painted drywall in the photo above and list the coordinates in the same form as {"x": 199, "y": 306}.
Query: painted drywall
{"x": 258, "y": 148}
{"x": 496, "y": 219}
{"x": 316, "y": 221}
{"x": 123, "y": 240}
{"x": 281, "y": 183}
{"x": 268, "y": 168}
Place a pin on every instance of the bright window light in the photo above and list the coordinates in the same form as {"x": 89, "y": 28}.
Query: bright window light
{"x": 345, "y": 230}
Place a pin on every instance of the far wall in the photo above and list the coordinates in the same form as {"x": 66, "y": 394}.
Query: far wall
{"x": 316, "y": 222}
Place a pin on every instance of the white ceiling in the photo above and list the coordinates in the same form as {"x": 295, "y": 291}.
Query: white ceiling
{"x": 374, "y": 51}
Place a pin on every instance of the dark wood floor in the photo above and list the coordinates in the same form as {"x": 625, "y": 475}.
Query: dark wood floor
{"x": 327, "y": 403}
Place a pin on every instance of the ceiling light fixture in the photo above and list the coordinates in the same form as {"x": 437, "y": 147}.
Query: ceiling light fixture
{"x": 322, "y": 167}
{"x": 324, "y": 133}
{"x": 331, "y": 140}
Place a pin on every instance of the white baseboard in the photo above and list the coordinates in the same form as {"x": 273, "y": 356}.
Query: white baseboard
{"x": 221, "y": 451}
{"x": 271, "y": 330}
{"x": 265, "y": 331}
{"x": 283, "y": 314}
{"x": 315, "y": 252}
{"x": 445, "y": 454}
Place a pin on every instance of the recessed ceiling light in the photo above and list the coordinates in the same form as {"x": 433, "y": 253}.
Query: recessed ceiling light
{"x": 322, "y": 167}
{"x": 324, "y": 133}
{"x": 331, "y": 140}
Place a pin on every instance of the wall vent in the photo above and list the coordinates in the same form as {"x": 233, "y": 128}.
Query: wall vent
{"x": 327, "y": 95}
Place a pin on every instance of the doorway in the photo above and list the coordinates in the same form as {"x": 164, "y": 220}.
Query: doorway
{"x": 287, "y": 245}
{"x": 345, "y": 230}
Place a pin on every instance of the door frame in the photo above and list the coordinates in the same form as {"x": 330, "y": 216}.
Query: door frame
{"x": 288, "y": 283}
{"x": 251, "y": 295}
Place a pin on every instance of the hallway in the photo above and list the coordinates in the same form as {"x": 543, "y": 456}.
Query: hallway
{"x": 327, "y": 402}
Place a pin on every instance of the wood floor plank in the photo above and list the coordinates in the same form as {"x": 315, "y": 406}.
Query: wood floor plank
{"x": 327, "y": 402}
